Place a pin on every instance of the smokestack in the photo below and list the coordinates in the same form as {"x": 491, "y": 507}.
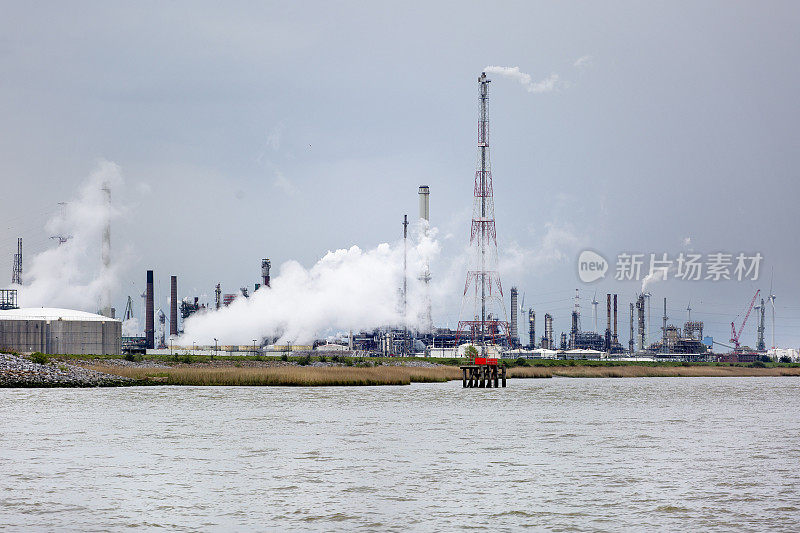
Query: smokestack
{"x": 664, "y": 328}
{"x": 424, "y": 213}
{"x": 424, "y": 202}
{"x": 173, "y": 306}
{"x": 641, "y": 321}
{"x": 218, "y": 296}
{"x": 614, "y": 337}
{"x": 532, "y": 328}
{"x": 149, "y": 316}
{"x": 608, "y": 323}
{"x": 106, "y": 253}
{"x": 630, "y": 342}
{"x": 514, "y": 319}
{"x": 265, "y": 265}
{"x": 573, "y": 330}
{"x": 548, "y": 331}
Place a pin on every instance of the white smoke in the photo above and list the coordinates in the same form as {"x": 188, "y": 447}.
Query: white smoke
{"x": 555, "y": 247}
{"x": 548, "y": 84}
{"x": 651, "y": 278}
{"x": 348, "y": 289}
{"x": 131, "y": 328}
{"x": 70, "y": 275}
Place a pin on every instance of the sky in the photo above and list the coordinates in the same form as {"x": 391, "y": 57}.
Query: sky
{"x": 285, "y": 130}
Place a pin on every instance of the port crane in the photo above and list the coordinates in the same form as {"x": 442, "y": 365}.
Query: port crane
{"x": 734, "y": 334}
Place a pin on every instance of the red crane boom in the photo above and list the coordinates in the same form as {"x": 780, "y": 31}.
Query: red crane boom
{"x": 734, "y": 334}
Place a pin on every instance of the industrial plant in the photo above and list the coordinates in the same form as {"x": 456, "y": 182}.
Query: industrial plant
{"x": 483, "y": 321}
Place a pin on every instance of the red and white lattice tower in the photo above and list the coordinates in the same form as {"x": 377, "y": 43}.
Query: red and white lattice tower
{"x": 482, "y": 304}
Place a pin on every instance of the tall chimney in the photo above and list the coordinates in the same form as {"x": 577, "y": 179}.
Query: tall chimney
{"x": 106, "y": 254}
{"x": 149, "y": 317}
{"x": 630, "y": 342}
{"x": 514, "y": 316}
{"x": 664, "y": 329}
{"x": 425, "y": 214}
{"x": 608, "y": 323}
{"x": 173, "y": 306}
{"x": 532, "y": 328}
{"x": 424, "y": 202}
{"x": 614, "y": 336}
{"x": 265, "y": 264}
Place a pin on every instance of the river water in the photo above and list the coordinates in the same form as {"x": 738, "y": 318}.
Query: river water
{"x": 557, "y": 454}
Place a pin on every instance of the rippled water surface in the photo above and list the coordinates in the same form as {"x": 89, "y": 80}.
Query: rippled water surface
{"x": 563, "y": 454}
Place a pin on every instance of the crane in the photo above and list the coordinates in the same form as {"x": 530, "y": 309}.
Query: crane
{"x": 734, "y": 334}
{"x": 128, "y": 309}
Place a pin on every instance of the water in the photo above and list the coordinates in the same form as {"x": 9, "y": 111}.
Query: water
{"x": 557, "y": 454}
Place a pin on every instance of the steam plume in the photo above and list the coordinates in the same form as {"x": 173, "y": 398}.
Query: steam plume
{"x": 546, "y": 85}
{"x": 70, "y": 275}
{"x": 346, "y": 289}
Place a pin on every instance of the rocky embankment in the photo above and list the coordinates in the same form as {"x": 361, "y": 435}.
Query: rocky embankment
{"x": 17, "y": 371}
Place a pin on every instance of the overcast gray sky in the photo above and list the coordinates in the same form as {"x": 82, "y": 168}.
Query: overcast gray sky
{"x": 283, "y": 130}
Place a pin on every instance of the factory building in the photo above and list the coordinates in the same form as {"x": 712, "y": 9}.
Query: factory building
{"x": 59, "y": 331}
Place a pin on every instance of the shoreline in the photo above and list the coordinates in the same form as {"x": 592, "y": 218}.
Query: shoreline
{"x": 112, "y": 371}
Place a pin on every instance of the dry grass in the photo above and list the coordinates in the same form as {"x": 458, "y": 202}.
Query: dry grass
{"x": 403, "y": 375}
{"x": 284, "y": 376}
{"x": 530, "y": 372}
{"x": 635, "y": 371}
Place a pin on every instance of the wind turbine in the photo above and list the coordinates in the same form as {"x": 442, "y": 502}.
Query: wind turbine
{"x": 594, "y": 310}
{"x": 772, "y": 301}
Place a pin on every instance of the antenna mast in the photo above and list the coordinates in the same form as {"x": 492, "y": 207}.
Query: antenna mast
{"x": 483, "y": 278}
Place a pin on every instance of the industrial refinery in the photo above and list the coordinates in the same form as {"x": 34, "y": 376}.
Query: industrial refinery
{"x": 489, "y": 316}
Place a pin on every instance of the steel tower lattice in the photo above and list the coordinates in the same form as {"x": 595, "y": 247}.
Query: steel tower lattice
{"x": 484, "y": 321}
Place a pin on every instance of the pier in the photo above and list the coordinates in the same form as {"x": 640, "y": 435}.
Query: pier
{"x": 485, "y": 373}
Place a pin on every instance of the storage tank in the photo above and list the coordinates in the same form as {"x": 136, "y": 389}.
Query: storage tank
{"x": 59, "y": 331}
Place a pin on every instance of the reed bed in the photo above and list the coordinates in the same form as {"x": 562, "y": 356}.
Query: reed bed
{"x": 635, "y": 371}
{"x": 530, "y": 372}
{"x": 284, "y": 376}
{"x": 641, "y": 371}
{"x": 403, "y": 375}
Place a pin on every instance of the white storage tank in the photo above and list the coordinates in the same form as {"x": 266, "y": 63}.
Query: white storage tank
{"x": 59, "y": 331}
